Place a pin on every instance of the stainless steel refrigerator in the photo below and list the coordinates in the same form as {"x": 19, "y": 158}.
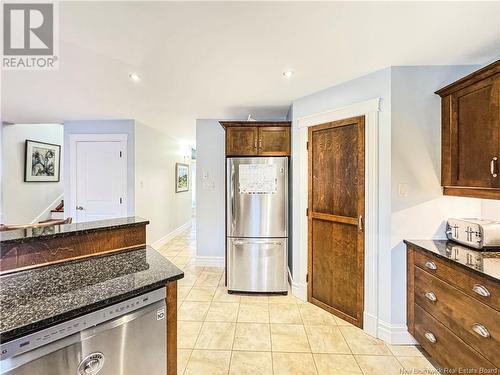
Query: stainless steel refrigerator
{"x": 257, "y": 224}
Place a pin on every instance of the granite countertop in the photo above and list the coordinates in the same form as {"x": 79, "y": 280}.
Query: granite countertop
{"x": 486, "y": 263}
{"x": 38, "y": 298}
{"x": 31, "y": 234}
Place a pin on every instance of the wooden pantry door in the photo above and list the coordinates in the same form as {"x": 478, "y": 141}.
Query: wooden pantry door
{"x": 336, "y": 152}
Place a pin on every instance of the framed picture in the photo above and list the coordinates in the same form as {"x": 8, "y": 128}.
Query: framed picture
{"x": 42, "y": 162}
{"x": 181, "y": 177}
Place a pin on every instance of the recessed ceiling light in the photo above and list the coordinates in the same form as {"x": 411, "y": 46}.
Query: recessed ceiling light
{"x": 134, "y": 77}
{"x": 288, "y": 73}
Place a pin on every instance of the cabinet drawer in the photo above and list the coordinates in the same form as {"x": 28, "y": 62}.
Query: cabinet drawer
{"x": 471, "y": 320}
{"x": 444, "y": 347}
{"x": 471, "y": 284}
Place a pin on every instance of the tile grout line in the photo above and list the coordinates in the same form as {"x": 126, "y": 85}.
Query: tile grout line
{"x": 350, "y": 349}
{"x": 309, "y": 343}
{"x": 234, "y": 338}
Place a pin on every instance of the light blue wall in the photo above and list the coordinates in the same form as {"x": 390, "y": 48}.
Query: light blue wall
{"x": 409, "y": 153}
{"x": 416, "y": 162}
{"x": 101, "y": 127}
{"x": 210, "y": 193}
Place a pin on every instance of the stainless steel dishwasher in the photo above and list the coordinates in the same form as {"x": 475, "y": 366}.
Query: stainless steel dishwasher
{"x": 128, "y": 338}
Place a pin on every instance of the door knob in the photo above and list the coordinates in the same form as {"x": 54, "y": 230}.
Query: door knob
{"x": 79, "y": 208}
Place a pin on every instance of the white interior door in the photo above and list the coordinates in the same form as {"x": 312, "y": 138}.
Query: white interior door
{"x": 100, "y": 181}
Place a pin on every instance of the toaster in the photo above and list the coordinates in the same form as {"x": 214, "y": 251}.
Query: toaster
{"x": 476, "y": 233}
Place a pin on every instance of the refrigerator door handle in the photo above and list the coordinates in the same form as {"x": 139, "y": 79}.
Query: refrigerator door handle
{"x": 232, "y": 199}
{"x": 261, "y": 242}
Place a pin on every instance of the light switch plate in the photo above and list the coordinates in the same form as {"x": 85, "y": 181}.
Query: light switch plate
{"x": 403, "y": 190}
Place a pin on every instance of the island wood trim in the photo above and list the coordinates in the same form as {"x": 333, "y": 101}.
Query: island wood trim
{"x": 171, "y": 301}
{"x": 19, "y": 256}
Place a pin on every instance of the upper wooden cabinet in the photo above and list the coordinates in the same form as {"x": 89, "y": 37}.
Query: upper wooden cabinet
{"x": 471, "y": 135}
{"x": 244, "y": 138}
{"x": 241, "y": 141}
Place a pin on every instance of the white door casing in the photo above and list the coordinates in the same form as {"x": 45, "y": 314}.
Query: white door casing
{"x": 369, "y": 109}
{"x": 98, "y": 176}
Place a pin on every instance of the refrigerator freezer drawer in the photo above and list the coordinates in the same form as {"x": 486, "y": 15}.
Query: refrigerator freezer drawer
{"x": 257, "y": 265}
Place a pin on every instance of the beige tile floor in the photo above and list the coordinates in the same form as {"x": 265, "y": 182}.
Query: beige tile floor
{"x": 219, "y": 333}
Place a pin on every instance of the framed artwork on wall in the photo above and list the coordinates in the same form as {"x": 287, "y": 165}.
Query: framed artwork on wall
{"x": 181, "y": 177}
{"x": 42, "y": 162}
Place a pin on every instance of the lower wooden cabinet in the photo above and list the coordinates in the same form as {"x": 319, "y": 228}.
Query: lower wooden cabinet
{"x": 448, "y": 315}
{"x": 446, "y": 348}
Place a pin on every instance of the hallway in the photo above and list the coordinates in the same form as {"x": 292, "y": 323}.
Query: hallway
{"x": 220, "y": 333}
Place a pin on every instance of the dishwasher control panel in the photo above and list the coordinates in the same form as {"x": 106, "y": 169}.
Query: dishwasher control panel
{"x": 59, "y": 331}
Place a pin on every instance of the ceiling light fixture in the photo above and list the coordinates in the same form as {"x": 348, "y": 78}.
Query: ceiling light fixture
{"x": 288, "y": 73}
{"x": 134, "y": 77}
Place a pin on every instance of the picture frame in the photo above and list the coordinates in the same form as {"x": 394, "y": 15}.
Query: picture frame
{"x": 42, "y": 162}
{"x": 181, "y": 177}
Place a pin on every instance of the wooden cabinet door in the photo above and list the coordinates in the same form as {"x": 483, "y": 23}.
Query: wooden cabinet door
{"x": 475, "y": 134}
{"x": 241, "y": 141}
{"x": 335, "y": 218}
{"x": 274, "y": 141}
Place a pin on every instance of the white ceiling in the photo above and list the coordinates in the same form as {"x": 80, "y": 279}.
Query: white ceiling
{"x": 225, "y": 60}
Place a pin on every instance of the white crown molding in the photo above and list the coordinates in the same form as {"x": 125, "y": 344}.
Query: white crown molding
{"x": 358, "y": 109}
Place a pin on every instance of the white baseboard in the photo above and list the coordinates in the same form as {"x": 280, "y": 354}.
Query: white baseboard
{"x": 395, "y": 334}
{"x": 299, "y": 289}
{"x": 163, "y": 241}
{"x": 46, "y": 213}
{"x": 370, "y": 324}
{"x": 209, "y": 261}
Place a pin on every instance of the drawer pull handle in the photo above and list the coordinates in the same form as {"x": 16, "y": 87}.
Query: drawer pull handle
{"x": 480, "y": 330}
{"x": 430, "y": 336}
{"x": 481, "y": 290}
{"x": 431, "y": 296}
{"x": 431, "y": 265}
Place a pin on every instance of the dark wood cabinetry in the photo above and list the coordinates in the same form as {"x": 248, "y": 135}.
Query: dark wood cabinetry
{"x": 241, "y": 141}
{"x": 470, "y": 159}
{"x": 453, "y": 312}
{"x": 244, "y": 138}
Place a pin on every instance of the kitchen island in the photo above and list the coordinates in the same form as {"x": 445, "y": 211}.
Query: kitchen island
{"x": 44, "y": 306}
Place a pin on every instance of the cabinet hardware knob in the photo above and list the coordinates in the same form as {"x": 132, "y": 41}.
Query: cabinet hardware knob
{"x": 493, "y": 163}
{"x": 360, "y": 223}
{"x": 79, "y": 207}
{"x": 481, "y": 290}
{"x": 430, "y": 336}
{"x": 255, "y": 143}
{"x": 431, "y": 265}
{"x": 480, "y": 330}
{"x": 431, "y": 296}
